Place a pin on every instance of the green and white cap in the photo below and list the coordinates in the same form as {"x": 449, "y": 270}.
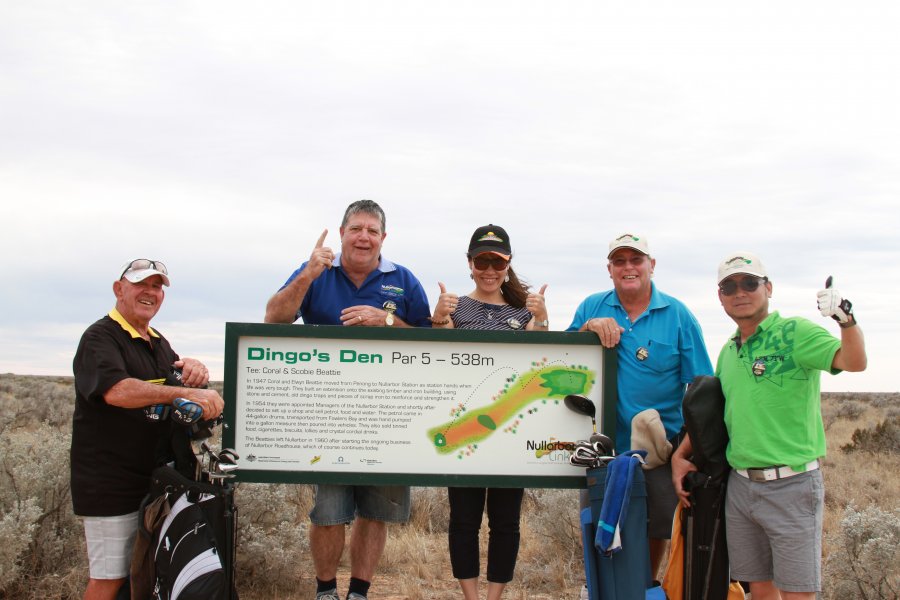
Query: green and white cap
{"x": 629, "y": 240}
{"x": 741, "y": 262}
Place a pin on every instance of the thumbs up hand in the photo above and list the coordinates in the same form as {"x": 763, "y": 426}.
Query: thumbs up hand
{"x": 446, "y": 306}
{"x": 831, "y": 304}
{"x": 536, "y": 305}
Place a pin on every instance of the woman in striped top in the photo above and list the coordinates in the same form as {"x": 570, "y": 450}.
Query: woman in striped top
{"x": 500, "y": 301}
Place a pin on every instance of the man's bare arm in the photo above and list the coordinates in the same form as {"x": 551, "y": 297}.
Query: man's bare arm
{"x": 134, "y": 393}
{"x": 283, "y": 306}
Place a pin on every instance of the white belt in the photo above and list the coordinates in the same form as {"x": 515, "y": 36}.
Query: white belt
{"x": 773, "y": 473}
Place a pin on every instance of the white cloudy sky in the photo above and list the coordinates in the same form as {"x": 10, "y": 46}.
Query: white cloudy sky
{"x": 222, "y": 137}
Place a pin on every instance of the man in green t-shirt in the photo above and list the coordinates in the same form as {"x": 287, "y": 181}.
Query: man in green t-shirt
{"x": 770, "y": 371}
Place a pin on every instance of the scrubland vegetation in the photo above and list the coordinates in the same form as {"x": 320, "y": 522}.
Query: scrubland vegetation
{"x": 42, "y": 546}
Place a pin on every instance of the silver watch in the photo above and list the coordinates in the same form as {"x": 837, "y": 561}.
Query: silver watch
{"x": 544, "y": 323}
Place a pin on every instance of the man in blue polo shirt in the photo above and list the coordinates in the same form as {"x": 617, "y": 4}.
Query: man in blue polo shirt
{"x": 357, "y": 288}
{"x": 660, "y": 350}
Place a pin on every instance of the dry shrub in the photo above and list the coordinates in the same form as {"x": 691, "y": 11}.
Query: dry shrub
{"x": 883, "y": 400}
{"x": 884, "y": 438}
{"x": 849, "y": 410}
{"x": 27, "y": 401}
{"x": 43, "y": 540}
{"x": 430, "y": 511}
{"x": 865, "y": 560}
{"x": 272, "y": 536}
{"x": 550, "y": 554}
{"x": 414, "y": 554}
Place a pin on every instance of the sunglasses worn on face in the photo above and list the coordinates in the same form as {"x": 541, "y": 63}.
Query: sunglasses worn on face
{"x": 748, "y": 284}
{"x": 139, "y": 264}
{"x": 634, "y": 261}
{"x": 483, "y": 262}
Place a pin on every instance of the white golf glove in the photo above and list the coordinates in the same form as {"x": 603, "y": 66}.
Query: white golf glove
{"x": 832, "y": 305}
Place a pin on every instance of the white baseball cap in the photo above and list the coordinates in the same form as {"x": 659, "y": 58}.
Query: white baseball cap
{"x": 140, "y": 269}
{"x": 741, "y": 262}
{"x": 629, "y": 240}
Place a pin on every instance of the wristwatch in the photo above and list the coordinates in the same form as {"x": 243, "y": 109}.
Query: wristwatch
{"x": 544, "y": 323}
{"x": 389, "y": 307}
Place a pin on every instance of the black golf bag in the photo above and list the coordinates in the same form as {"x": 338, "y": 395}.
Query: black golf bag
{"x": 706, "y": 573}
{"x": 186, "y": 541}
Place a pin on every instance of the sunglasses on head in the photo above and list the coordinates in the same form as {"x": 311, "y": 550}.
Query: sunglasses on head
{"x": 139, "y": 264}
{"x": 482, "y": 262}
{"x": 748, "y": 284}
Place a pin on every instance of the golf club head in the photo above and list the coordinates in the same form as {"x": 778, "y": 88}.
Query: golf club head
{"x": 584, "y": 454}
{"x": 230, "y": 451}
{"x": 226, "y": 459}
{"x": 219, "y": 478}
{"x": 602, "y": 445}
{"x": 226, "y": 468}
{"x": 578, "y": 462}
{"x": 581, "y": 405}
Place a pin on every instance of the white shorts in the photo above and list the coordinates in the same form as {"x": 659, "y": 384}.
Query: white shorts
{"x": 110, "y": 543}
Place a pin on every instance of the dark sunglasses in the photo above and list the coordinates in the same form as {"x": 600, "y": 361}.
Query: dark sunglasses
{"x": 748, "y": 284}
{"x": 139, "y": 264}
{"x": 483, "y": 262}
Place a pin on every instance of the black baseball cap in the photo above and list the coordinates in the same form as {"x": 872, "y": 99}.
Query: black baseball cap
{"x": 490, "y": 238}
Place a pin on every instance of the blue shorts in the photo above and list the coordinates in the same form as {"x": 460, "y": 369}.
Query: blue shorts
{"x": 110, "y": 544}
{"x": 775, "y": 530}
{"x": 339, "y": 504}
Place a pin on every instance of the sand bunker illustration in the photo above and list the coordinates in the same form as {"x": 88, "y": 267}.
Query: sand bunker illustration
{"x": 541, "y": 384}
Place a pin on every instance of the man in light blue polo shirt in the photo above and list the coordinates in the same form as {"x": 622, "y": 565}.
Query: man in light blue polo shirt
{"x": 660, "y": 350}
{"x": 357, "y": 288}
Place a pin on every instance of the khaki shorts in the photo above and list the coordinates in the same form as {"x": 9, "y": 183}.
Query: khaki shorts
{"x": 110, "y": 542}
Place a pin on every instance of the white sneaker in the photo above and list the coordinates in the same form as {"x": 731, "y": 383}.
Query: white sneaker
{"x": 584, "y": 594}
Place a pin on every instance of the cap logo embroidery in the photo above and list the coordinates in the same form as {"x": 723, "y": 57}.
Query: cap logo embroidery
{"x": 738, "y": 259}
{"x": 490, "y": 236}
{"x": 628, "y": 236}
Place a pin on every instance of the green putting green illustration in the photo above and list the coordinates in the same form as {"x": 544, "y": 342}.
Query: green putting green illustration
{"x": 541, "y": 384}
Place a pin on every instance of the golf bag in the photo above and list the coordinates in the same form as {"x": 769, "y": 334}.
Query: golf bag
{"x": 186, "y": 540}
{"x": 624, "y": 575}
{"x": 706, "y": 573}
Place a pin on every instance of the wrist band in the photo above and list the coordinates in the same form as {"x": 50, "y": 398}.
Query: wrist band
{"x": 444, "y": 322}
{"x": 848, "y": 324}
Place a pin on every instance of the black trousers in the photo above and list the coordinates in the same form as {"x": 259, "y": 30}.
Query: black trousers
{"x": 504, "y": 506}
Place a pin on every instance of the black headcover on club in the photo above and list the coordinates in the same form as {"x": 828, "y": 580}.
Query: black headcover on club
{"x": 704, "y": 419}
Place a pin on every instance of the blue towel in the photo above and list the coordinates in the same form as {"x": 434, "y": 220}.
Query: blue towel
{"x": 619, "y": 474}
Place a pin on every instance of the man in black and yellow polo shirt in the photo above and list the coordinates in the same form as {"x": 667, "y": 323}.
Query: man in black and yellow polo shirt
{"x": 122, "y": 366}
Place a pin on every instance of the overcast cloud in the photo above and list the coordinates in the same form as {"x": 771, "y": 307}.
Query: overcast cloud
{"x": 223, "y": 137}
